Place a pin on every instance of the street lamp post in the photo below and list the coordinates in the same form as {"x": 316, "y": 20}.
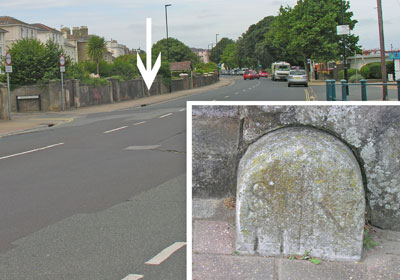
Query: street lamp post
{"x": 166, "y": 24}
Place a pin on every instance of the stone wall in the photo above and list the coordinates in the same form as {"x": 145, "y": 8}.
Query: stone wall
{"x": 222, "y": 134}
{"x": 80, "y": 95}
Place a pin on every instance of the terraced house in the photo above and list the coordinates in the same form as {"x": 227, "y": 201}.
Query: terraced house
{"x": 16, "y": 30}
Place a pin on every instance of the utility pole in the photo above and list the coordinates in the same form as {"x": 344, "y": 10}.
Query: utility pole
{"x": 382, "y": 47}
{"x": 166, "y": 25}
{"x": 346, "y": 77}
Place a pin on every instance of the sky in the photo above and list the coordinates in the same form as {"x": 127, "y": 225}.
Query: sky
{"x": 194, "y": 22}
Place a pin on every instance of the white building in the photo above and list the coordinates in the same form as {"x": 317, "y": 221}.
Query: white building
{"x": 2, "y": 42}
{"x": 116, "y": 49}
{"x": 70, "y": 44}
{"x": 46, "y": 33}
{"x": 16, "y": 30}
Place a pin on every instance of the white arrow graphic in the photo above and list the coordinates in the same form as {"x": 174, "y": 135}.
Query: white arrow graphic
{"x": 148, "y": 74}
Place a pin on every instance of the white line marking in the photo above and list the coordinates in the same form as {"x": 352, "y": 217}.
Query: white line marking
{"x": 236, "y": 93}
{"x": 226, "y": 96}
{"x": 139, "y": 123}
{"x": 214, "y": 100}
{"x": 166, "y": 115}
{"x": 32, "y": 151}
{"x": 116, "y": 129}
{"x": 166, "y": 253}
{"x": 150, "y": 147}
{"x": 181, "y": 110}
{"x": 133, "y": 277}
{"x": 244, "y": 90}
{"x": 249, "y": 88}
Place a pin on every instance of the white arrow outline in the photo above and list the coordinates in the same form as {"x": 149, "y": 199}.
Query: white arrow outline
{"x": 148, "y": 74}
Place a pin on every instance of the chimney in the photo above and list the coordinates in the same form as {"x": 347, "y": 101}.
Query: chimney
{"x": 84, "y": 31}
{"x": 76, "y": 32}
{"x": 66, "y": 30}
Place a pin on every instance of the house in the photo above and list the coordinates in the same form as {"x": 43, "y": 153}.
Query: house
{"x": 46, "y": 33}
{"x": 116, "y": 49}
{"x": 16, "y": 30}
{"x": 2, "y": 44}
{"x": 181, "y": 67}
{"x": 70, "y": 44}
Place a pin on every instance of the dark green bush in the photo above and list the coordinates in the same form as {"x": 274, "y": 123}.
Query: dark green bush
{"x": 350, "y": 72}
{"x": 355, "y": 78}
{"x": 374, "y": 70}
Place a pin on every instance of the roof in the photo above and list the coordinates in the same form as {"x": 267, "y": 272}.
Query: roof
{"x": 180, "y": 66}
{"x": 2, "y": 30}
{"x": 5, "y": 20}
{"x": 45, "y": 28}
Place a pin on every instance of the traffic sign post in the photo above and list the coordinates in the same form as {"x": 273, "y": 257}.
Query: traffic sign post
{"x": 8, "y": 70}
{"x": 62, "y": 70}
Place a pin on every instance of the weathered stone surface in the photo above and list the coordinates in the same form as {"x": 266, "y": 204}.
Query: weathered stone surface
{"x": 300, "y": 189}
{"x": 215, "y": 141}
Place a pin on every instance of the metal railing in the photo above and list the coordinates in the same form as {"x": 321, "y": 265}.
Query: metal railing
{"x": 331, "y": 89}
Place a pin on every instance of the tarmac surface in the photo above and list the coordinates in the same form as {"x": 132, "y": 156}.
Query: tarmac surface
{"x": 214, "y": 255}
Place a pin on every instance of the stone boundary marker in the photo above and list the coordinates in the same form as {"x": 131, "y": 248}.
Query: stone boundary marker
{"x": 300, "y": 189}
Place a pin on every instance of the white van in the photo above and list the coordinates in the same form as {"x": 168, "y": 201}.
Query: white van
{"x": 280, "y": 71}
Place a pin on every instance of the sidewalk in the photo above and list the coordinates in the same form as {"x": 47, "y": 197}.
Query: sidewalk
{"x": 24, "y": 122}
{"x": 214, "y": 254}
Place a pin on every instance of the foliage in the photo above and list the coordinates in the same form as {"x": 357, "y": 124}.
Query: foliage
{"x": 178, "y": 51}
{"x": 368, "y": 242}
{"x": 229, "y": 56}
{"x": 306, "y": 256}
{"x": 34, "y": 62}
{"x": 218, "y": 50}
{"x": 356, "y": 78}
{"x": 126, "y": 67}
{"x": 95, "y": 49}
{"x": 308, "y": 30}
{"x": 94, "y": 81}
{"x": 374, "y": 70}
{"x": 203, "y": 68}
{"x": 251, "y": 45}
{"x": 350, "y": 72}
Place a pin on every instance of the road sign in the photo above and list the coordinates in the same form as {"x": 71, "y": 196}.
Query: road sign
{"x": 62, "y": 60}
{"x": 8, "y": 59}
{"x": 343, "y": 30}
{"x": 394, "y": 55}
{"x": 62, "y": 69}
{"x": 8, "y": 69}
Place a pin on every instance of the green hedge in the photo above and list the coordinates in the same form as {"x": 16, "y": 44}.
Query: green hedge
{"x": 374, "y": 70}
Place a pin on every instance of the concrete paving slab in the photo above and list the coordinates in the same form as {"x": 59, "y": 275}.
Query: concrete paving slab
{"x": 303, "y": 269}
{"x": 213, "y": 237}
{"x": 217, "y": 267}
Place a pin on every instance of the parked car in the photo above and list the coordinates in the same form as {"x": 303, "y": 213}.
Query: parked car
{"x": 248, "y": 75}
{"x": 256, "y": 76}
{"x": 297, "y": 77}
{"x": 263, "y": 74}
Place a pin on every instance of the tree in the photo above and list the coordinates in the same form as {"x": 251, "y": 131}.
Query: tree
{"x": 229, "y": 56}
{"x": 251, "y": 47}
{"x": 96, "y": 49}
{"x": 217, "y": 51}
{"x": 309, "y": 30}
{"x": 35, "y": 62}
{"x": 178, "y": 51}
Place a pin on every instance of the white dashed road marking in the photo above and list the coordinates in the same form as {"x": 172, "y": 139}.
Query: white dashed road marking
{"x": 166, "y": 115}
{"x": 116, "y": 129}
{"x": 139, "y": 123}
{"x": 166, "y": 253}
{"x": 133, "y": 277}
{"x": 181, "y": 110}
{"x": 139, "y": 148}
{"x": 244, "y": 90}
{"x": 236, "y": 93}
{"x": 226, "y": 96}
{"x": 31, "y": 151}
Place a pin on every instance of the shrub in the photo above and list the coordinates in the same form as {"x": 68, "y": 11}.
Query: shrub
{"x": 374, "y": 70}
{"x": 350, "y": 72}
{"x": 355, "y": 78}
{"x": 365, "y": 71}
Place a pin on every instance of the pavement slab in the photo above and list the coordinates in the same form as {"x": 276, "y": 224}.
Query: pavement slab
{"x": 213, "y": 237}
{"x": 214, "y": 267}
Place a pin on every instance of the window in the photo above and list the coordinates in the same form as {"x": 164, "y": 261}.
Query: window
{"x": 31, "y": 33}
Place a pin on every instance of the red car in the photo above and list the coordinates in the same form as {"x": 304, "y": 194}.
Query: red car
{"x": 263, "y": 73}
{"x": 250, "y": 75}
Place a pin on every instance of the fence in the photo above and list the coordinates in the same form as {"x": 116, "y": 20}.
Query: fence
{"x": 331, "y": 89}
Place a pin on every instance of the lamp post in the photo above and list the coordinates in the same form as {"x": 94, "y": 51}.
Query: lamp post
{"x": 216, "y": 39}
{"x": 166, "y": 24}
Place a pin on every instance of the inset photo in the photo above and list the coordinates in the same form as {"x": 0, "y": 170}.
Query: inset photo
{"x": 294, "y": 191}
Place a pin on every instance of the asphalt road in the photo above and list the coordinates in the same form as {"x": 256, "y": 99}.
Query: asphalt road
{"x": 99, "y": 197}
